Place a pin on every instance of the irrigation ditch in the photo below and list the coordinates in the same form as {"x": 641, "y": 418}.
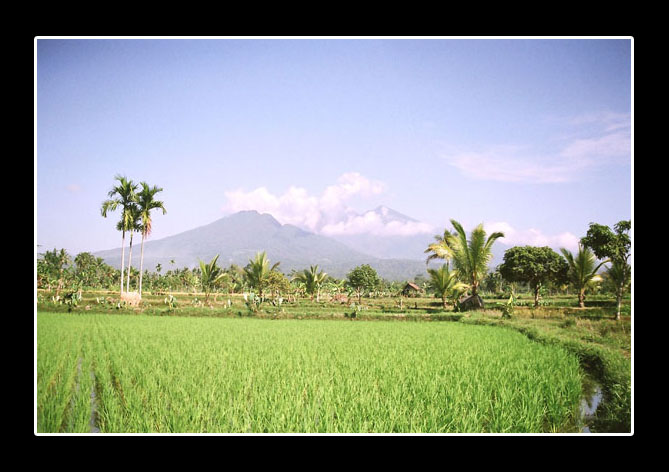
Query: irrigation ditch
{"x": 606, "y": 402}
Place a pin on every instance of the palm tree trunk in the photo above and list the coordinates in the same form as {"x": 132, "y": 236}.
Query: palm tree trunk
{"x": 129, "y": 262}
{"x": 122, "y": 260}
{"x": 141, "y": 265}
{"x": 581, "y": 298}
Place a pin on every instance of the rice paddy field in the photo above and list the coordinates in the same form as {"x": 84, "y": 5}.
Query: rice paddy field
{"x": 150, "y": 374}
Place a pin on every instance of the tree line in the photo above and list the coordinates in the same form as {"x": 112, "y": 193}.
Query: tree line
{"x": 458, "y": 281}
{"x": 57, "y": 271}
{"x": 535, "y": 266}
{"x": 532, "y": 268}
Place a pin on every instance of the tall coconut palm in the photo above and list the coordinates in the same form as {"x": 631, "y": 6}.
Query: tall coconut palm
{"x": 121, "y": 196}
{"x": 146, "y": 202}
{"x": 470, "y": 257}
{"x": 582, "y": 269}
{"x": 257, "y": 271}
{"x": 133, "y": 227}
{"x": 313, "y": 280}
{"x": 445, "y": 284}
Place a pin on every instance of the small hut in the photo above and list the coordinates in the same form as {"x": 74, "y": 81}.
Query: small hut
{"x": 411, "y": 290}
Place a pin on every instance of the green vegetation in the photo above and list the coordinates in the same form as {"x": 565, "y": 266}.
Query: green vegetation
{"x": 122, "y": 197}
{"x": 470, "y": 256}
{"x": 136, "y": 207}
{"x": 616, "y": 246}
{"x": 146, "y": 202}
{"x": 362, "y": 278}
{"x": 177, "y": 361}
{"x": 212, "y": 276}
{"x": 257, "y": 273}
{"x": 176, "y": 374}
{"x": 445, "y": 284}
{"x": 602, "y": 344}
{"x": 313, "y": 281}
{"x": 582, "y": 270}
{"x": 534, "y": 265}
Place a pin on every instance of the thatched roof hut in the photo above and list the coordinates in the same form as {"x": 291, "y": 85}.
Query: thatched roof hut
{"x": 411, "y": 289}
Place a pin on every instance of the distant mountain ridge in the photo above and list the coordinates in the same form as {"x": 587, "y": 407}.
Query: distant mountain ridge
{"x": 238, "y": 237}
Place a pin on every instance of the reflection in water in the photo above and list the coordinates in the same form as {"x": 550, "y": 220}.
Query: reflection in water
{"x": 589, "y": 405}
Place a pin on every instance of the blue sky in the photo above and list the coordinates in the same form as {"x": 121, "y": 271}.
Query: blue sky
{"x": 531, "y": 136}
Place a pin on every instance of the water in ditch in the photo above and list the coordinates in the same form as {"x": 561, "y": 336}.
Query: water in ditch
{"x": 592, "y": 397}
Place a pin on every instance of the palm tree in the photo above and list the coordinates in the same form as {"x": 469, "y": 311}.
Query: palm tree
{"x": 146, "y": 202}
{"x": 582, "y": 269}
{"x": 470, "y": 257}
{"x": 257, "y": 271}
{"x": 313, "y": 280}
{"x": 445, "y": 284}
{"x": 133, "y": 226}
{"x": 123, "y": 196}
{"x": 55, "y": 262}
{"x": 211, "y": 275}
{"x": 440, "y": 248}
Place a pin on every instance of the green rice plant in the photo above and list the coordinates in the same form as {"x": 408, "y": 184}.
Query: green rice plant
{"x": 250, "y": 375}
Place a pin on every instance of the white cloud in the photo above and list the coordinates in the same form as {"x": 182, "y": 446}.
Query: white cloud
{"x": 603, "y": 139}
{"x": 293, "y": 207}
{"x": 532, "y": 236}
{"x": 506, "y": 167}
{"x": 327, "y": 213}
{"x": 372, "y": 223}
{"x": 606, "y": 121}
{"x": 611, "y": 146}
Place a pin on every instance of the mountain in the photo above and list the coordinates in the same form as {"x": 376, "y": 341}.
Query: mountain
{"x": 393, "y": 246}
{"x": 237, "y": 238}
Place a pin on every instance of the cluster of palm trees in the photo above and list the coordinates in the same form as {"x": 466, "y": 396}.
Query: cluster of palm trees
{"x": 313, "y": 280}
{"x": 135, "y": 202}
{"x": 261, "y": 276}
{"x": 470, "y": 258}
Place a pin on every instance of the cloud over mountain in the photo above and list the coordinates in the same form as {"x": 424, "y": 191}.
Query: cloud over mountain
{"x": 328, "y": 213}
